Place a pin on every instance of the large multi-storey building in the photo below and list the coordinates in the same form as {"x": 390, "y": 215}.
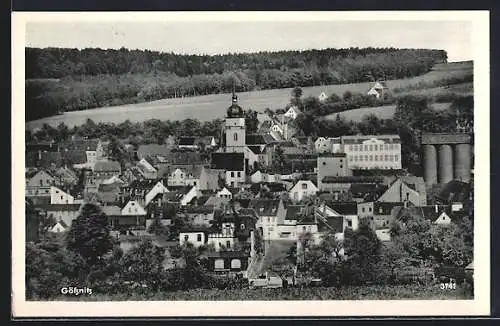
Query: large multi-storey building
{"x": 372, "y": 152}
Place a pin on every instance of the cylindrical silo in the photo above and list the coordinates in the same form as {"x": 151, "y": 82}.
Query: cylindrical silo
{"x": 445, "y": 163}
{"x": 430, "y": 164}
{"x": 462, "y": 162}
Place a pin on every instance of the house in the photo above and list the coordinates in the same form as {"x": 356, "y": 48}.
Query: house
{"x": 189, "y": 175}
{"x": 348, "y": 211}
{"x": 143, "y": 190}
{"x": 59, "y": 227}
{"x": 109, "y": 192}
{"x": 286, "y": 223}
{"x": 331, "y": 165}
{"x": 302, "y": 189}
{"x": 224, "y": 193}
{"x": 196, "y": 236}
{"x": 161, "y": 209}
{"x": 91, "y": 148}
{"x": 268, "y": 189}
{"x": 147, "y": 169}
{"x": 65, "y": 176}
{"x": 144, "y": 151}
{"x": 62, "y": 212}
{"x": 436, "y": 214}
{"x": 228, "y": 261}
{"x": 210, "y": 179}
{"x": 40, "y": 178}
{"x": 379, "y": 90}
{"x": 183, "y": 195}
{"x": 379, "y": 215}
{"x": 195, "y": 143}
{"x": 133, "y": 207}
{"x": 267, "y": 212}
{"x": 327, "y": 145}
{"x": 292, "y": 112}
{"x": 372, "y": 151}
{"x": 217, "y": 202}
{"x": 409, "y": 189}
{"x": 322, "y": 97}
{"x": 105, "y": 169}
{"x": 200, "y": 215}
{"x": 233, "y": 164}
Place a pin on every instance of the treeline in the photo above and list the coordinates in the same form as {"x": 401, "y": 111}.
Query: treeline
{"x": 83, "y": 79}
{"x": 380, "y": 62}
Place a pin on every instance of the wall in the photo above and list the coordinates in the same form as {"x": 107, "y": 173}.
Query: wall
{"x": 192, "y": 237}
{"x": 297, "y": 193}
{"x": 57, "y": 196}
{"x": 41, "y": 179}
{"x": 235, "y": 180}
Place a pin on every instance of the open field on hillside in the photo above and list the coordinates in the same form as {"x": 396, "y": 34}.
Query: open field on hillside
{"x": 210, "y": 107}
{"x": 382, "y": 112}
{"x": 368, "y": 292}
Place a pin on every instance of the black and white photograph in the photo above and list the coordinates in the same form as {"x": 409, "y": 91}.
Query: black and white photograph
{"x": 303, "y": 163}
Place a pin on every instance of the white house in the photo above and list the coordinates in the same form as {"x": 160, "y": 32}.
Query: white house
{"x": 57, "y": 196}
{"x": 224, "y": 193}
{"x": 133, "y": 208}
{"x": 225, "y": 239}
{"x": 59, "y": 227}
{"x": 292, "y": 112}
{"x": 158, "y": 188}
{"x": 302, "y": 189}
{"x": 443, "y": 219}
{"x": 235, "y": 178}
{"x": 379, "y": 89}
{"x": 148, "y": 169}
{"x": 189, "y": 196}
{"x": 197, "y": 237}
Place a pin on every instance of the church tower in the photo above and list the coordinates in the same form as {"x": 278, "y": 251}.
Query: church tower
{"x": 234, "y": 128}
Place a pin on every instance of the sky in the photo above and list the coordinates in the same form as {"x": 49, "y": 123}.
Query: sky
{"x": 217, "y": 37}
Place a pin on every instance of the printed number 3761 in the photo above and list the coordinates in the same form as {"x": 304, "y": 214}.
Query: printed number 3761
{"x": 448, "y": 286}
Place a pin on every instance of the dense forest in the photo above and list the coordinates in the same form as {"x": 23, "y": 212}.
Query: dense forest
{"x": 60, "y": 80}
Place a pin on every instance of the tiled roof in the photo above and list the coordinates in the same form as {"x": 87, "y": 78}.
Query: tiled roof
{"x": 259, "y": 139}
{"x": 395, "y": 139}
{"x": 353, "y": 179}
{"x": 60, "y": 207}
{"x": 343, "y": 208}
{"x": 228, "y": 161}
{"x": 143, "y": 184}
{"x": 204, "y": 209}
{"x": 152, "y": 150}
{"x": 81, "y": 145}
{"x": 187, "y": 141}
{"x": 293, "y": 212}
{"x": 228, "y": 254}
{"x": 111, "y": 210}
{"x": 427, "y": 212}
{"x": 255, "y": 149}
{"x": 332, "y": 224}
{"x": 74, "y": 156}
{"x": 454, "y": 191}
{"x": 107, "y": 166}
{"x": 265, "y": 207}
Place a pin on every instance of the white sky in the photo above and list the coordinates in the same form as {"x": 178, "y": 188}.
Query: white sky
{"x": 215, "y": 37}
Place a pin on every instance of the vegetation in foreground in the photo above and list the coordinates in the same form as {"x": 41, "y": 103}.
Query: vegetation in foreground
{"x": 366, "y": 292}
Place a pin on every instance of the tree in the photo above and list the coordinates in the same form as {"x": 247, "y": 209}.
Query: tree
{"x": 89, "y": 234}
{"x": 144, "y": 264}
{"x": 362, "y": 248}
{"x": 296, "y": 95}
{"x": 157, "y": 228}
{"x": 251, "y": 122}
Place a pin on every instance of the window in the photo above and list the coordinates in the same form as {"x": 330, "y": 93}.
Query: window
{"x": 386, "y": 158}
{"x": 235, "y": 264}
{"x": 396, "y": 158}
{"x": 366, "y": 147}
{"x": 380, "y": 211}
{"x": 375, "y": 147}
{"x": 41, "y": 183}
{"x": 341, "y": 165}
{"x": 228, "y": 244}
{"x": 304, "y": 228}
{"x": 235, "y": 137}
{"x": 371, "y": 147}
{"x": 232, "y": 174}
{"x": 340, "y": 160}
{"x": 376, "y": 157}
{"x": 369, "y": 209}
{"x": 194, "y": 183}
{"x": 186, "y": 237}
{"x": 198, "y": 237}
{"x": 304, "y": 186}
{"x": 366, "y": 157}
{"x": 363, "y": 209}
{"x": 360, "y": 148}
{"x": 349, "y": 223}
{"x": 324, "y": 163}
{"x": 350, "y": 147}
{"x": 219, "y": 264}
{"x": 242, "y": 226}
{"x": 371, "y": 157}
{"x": 355, "y": 147}
{"x": 239, "y": 174}
{"x": 361, "y": 158}
{"x": 62, "y": 197}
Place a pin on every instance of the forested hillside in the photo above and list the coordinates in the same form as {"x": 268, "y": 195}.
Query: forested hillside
{"x": 71, "y": 79}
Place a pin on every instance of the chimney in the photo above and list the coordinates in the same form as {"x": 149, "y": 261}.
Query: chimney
{"x": 436, "y": 208}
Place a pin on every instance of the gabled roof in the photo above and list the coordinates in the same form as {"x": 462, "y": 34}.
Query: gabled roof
{"x": 143, "y": 184}
{"x": 228, "y": 161}
{"x": 293, "y": 212}
{"x": 107, "y": 166}
{"x": 431, "y": 212}
{"x": 81, "y": 145}
{"x": 265, "y": 207}
{"x": 255, "y": 149}
{"x": 259, "y": 139}
{"x": 152, "y": 150}
{"x": 332, "y": 224}
{"x": 187, "y": 141}
{"x": 344, "y": 208}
